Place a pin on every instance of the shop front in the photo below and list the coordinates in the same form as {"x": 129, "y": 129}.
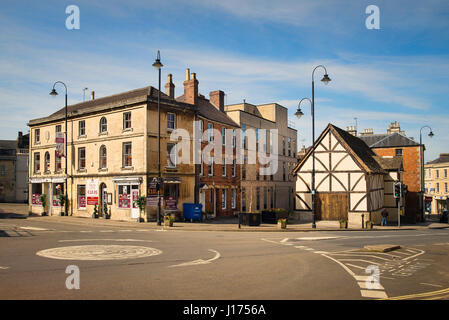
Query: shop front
{"x": 47, "y": 190}
{"x": 127, "y": 193}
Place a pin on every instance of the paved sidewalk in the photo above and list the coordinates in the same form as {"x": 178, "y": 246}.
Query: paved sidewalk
{"x": 12, "y": 210}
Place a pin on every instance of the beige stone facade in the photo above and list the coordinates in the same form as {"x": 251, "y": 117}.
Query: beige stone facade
{"x": 260, "y": 192}
{"x": 112, "y": 154}
{"x": 437, "y": 184}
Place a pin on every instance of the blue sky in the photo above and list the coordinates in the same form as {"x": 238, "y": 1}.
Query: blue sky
{"x": 262, "y": 51}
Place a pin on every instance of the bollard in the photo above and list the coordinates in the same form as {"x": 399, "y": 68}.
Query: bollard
{"x": 239, "y": 220}
{"x": 363, "y": 222}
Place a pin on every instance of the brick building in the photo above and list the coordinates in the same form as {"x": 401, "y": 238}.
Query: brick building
{"x": 218, "y": 180}
{"x": 395, "y": 143}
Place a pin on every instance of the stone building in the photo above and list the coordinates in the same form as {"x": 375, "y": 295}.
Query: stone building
{"x": 14, "y": 169}
{"x": 261, "y": 191}
{"x": 436, "y": 184}
{"x": 395, "y": 143}
{"x": 112, "y": 156}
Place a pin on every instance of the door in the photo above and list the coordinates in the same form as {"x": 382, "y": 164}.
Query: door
{"x": 134, "y": 206}
{"x": 103, "y": 199}
{"x": 331, "y": 206}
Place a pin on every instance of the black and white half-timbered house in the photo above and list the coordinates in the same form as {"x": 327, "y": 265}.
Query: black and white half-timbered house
{"x": 350, "y": 180}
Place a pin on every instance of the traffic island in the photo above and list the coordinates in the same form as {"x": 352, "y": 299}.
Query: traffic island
{"x": 382, "y": 248}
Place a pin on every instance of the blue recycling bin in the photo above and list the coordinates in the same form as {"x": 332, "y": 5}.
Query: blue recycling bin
{"x": 193, "y": 211}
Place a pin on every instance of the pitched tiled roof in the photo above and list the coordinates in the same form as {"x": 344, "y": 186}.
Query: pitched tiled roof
{"x": 207, "y": 110}
{"x": 388, "y": 140}
{"x": 112, "y": 101}
{"x": 444, "y": 157}
{"x": 393, "y": 163}
{"x": 360, "y": 148}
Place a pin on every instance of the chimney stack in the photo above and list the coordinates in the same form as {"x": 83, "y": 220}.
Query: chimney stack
{"x": 352, "y": 130}
{"x": 190, "y": 88}
{"x": 92, "y": 95}
{"x": 170, "y": 87}
{"x": 217, "y": 99}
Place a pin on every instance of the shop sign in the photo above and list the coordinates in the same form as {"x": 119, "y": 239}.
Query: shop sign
{"x": 92, "y": 192}
{"x": 171, "y": 203}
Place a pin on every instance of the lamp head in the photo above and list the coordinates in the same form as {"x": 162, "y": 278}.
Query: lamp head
{"x": 299, "y": 113}
{"x": 431, "y": 134}
{"x": 326, "y": 79}
{"x": 53, "y": 93}
{"x": 157, "y": 64}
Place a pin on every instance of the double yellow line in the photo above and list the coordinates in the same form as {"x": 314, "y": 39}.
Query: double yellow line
{"x": 419, "y": 296}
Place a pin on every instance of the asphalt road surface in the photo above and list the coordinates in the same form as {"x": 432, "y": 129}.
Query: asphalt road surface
{"x": 132, "y": 263}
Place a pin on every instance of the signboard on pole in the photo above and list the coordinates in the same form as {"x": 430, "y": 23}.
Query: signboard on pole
{"x": 92, "y": 192}
{"x": 60, "y": 144}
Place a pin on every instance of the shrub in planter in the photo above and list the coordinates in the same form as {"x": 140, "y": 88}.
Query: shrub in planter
{"x": 168, "y": 221}
{"x": 43, "y": 199}
{"x": 62, "y": 202}
{"x": 282, "y": 223}
{"x": 369, "y": 224}
{"x": 95, "y": 213}
{"x": 343, "y": 224}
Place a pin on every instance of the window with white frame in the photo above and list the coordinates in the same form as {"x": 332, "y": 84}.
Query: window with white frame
{"x": 37, "y": 135}
{"x": 223, "y": 167}
{"x": 171, "y": 121}
{"x": 47, "y": 162}
{"x": 223, "y": 136}
{"x": 127, "y": 159}
{"x": 211, "y": 166}
{"x": 233, "y": 198}
{"x": 103, "y": 157}
{"x": 37, "y": 162}
{"x": 103, "y": 125}
{"x": 233, "y": 167}
{"x": 210, "y": 132}
{"x": 223, "y": 198}
{"x": 81, "y": 158}
{"x": 81, "y": 128}
{"x": 126, "y": 120}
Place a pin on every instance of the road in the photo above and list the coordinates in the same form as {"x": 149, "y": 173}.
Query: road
{"x": 136, "y": 263}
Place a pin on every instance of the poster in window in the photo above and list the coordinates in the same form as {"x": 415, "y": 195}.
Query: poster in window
{"x": 171, "y": 203}
{"x": 92, "y": 192}
{"x": 124, "y": 200}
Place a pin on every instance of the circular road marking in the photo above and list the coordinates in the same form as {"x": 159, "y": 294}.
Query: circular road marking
{"x": 98, "y": 252}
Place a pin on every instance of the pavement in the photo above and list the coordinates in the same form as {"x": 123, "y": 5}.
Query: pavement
{"x": 20, "y": 211}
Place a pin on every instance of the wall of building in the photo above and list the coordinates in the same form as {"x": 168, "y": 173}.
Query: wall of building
{"x": 411, "y": 177}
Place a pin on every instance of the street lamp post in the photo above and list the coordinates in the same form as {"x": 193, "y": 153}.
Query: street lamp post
{"x": 53, "y": 93}
{"x": 422, "y": 169}
{"x": 299, "y": 113}
{"x": 158, "y": 65}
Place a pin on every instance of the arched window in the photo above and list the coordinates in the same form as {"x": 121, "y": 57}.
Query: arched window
{"x": 103, "y": 125}
{"x": 103, "y": 157}
{"x": 47, "y": 161}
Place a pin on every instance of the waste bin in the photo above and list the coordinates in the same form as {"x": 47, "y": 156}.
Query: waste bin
{"x": 444, "y": 217}
{"x": 249, "y": 219}
{"x": 193, "y": 211}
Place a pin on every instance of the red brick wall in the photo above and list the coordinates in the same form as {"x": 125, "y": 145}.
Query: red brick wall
{"x": 411, "y": 177}
{"x": 217, "y": 179}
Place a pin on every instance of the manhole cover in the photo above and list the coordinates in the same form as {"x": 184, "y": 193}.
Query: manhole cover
{"x": 98, "y": 252}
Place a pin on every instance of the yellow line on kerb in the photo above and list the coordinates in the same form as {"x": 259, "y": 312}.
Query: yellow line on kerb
{"x": 419, "y": 295}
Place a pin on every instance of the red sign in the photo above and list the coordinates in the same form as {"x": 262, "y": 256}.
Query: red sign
{"x": 124, "y": 200}
{"x": 36, "y": 199}
{"x": 92, "y": 192}
{"x": 135, "y": 198}
{"x": 82, "y": 201}
{"x": 152, "y": 201}
{"x": 428, "y": 199}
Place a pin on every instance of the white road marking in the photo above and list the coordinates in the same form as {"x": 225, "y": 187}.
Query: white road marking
{"x": 429, "y": 284}
{"x": 199, "y": 261}
{"x": 120, "y": 240}
{"x": 284, "y": 240}
{"x": 362, "y": 285}
{"x": 275, "y": 242}
{"x": 34, "y": 228}
{"x": 317, "y": 238}
{"x": 87, "y": 231}
{"x": 373, "y": 294}
{"x": 299, "y": 247}
{"x": 309, "y": 249}
{"x": 320, "y": 252}
{"x": 106, "y": 230}
{"x": 4, "y": 268}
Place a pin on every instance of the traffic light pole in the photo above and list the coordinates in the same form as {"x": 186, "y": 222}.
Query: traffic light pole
{"x": 399, "y": 212}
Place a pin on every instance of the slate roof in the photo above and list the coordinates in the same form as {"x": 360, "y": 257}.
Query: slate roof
{"x": 112, "y": 101}
{"x": 388, "y": 140}
{"x": 443, "y": 158}
{"x": 393, "y": 163}
{"x": 207, "y": 110}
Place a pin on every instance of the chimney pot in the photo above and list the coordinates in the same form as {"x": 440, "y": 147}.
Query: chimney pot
{"x": 187, "y": 74}
{"x": 170, "y": 87}
{"x": 217, "y": 99}
{"x": 190, "y": 88}
{"x": 92, "y": 95}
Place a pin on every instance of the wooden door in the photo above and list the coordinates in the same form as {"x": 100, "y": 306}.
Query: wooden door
{"x": 331, "y": 206}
